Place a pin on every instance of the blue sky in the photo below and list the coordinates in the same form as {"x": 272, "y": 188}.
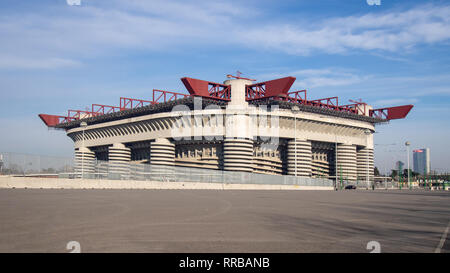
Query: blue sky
{"x": 55, "y": 57}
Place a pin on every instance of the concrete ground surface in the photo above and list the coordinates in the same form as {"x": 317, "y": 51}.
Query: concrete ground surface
{"x": 223, "y": 221}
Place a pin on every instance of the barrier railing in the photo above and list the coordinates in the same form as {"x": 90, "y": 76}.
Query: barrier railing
{"x": 134, "y": 171}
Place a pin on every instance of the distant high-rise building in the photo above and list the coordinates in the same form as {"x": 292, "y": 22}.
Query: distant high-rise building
{"x": 421, "y": 158}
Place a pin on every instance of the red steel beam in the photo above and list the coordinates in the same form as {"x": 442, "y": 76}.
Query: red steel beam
{"x": 295, "y": 96}
{"x": 389, "y": 113}
{"x": 129, "y": 103}
{"x": 104, "y": 109}
{"x": 219, "y": 91}
{"x": 358, "y": 108}
{"x": 332, "y": 102}
{"x": 53, "y": 120}
{"x": 77, "y": 114}
{"x": 268, "y": 89}
{"x": 166, "y": 96}
{"x": 207, "y": 89}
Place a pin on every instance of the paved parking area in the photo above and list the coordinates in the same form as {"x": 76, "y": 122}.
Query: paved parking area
{"x": 223, "y": 221}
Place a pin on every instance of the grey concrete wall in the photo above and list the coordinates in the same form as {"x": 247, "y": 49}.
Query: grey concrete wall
{"x": 60, "y": 183}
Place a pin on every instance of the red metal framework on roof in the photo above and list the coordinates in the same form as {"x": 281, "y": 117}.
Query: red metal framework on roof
{"x": 397, "y": 112}
{"x": 358, "y": 107}
{"x": 130, "y": 103}
{"x": 277, "y": 89}
{"x": 207, "y": 89}
{"x": 165, "y": 96}
{"x": 52, "y": 120}
{"x": 104, "y": 109}
{"x": 79, "y": 114}
{"x": 269, "y": 89}
{"x": 297, "y": 96}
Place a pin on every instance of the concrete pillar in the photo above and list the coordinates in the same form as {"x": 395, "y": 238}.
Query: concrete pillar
{"x": 84, "y": 161}
{"x": 238, "y": 143}
{"x": 304, "y": 157}
{"x": 346, "y": 161}
{"x": 238, "y": 154}
{"x": 238, "y": 91}
{"x": 119, "y": 158}
{"x": 364, "y": 155}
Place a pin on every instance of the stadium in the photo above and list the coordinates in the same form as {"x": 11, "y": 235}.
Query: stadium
{"x": 239, "y": 126}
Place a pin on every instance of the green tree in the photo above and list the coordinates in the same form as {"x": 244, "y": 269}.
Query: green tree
{"x": 376, "y": 172}
{"x": 394, "y": 174}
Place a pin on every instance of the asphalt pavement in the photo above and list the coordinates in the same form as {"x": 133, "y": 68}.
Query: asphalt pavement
{"x": 223, "y": 221}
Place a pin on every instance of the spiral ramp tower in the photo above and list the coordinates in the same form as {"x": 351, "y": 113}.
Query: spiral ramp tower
{"x": 238, "y": 155}
{"x": 365, "y": 164}
{"x": 162, "y": 152}
{"x": 119, "y": 160}
{"x": 304, "y": 157}
{"x": 84, "y": 162}
{"x": 162, "y": 159}
{"x": 346, "y": 162}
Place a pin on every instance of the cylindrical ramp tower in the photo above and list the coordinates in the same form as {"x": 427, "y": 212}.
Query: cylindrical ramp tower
{"x": 238, "y": 154}
{"x": 84, "y": 161}
{"x": 162, "y": 159}
{"x": 119, "y": 158}
{"x": 346, "y": 162}
{"x": 303, "y": 155}
{"x": 162, "y": 152}
{"x": 365, "y": 164}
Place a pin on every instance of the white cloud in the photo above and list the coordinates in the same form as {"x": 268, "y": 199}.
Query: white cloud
{"x": 95, "y": 29}
{"x": 91, "y": 31}
{"x": 324, "y": 77}
{"x": 390, "y": 31}
{"x": 310, "y": 78}
{"x": 12, "y": 62}
{"x": 207, "y": 12}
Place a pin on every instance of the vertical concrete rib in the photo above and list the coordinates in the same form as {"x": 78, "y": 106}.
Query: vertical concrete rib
{"x": 364, "y": 156}
{"x": 84, "y": 161}
{"x": 119, "y": 158}
{"x": 346, "y": 162}
{"x": 238, "y": 154}
{"x": 304, "y": 157}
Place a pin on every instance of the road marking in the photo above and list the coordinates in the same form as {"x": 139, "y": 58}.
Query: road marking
{"x": 441, "y": 243}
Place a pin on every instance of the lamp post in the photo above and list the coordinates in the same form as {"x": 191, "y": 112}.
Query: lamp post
{"x": 367, "y": 132}
{"x": 295, "y": 110}
{"x": 83, "y": 125}
{"x": 407, "y": 143}
{"x": 335, "y": 163}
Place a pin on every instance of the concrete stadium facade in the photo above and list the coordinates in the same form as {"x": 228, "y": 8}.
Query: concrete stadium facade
{"x": 264, "y": 136}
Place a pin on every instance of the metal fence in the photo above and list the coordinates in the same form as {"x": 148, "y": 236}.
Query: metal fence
{"x": 132, "y": 171}
{"x": 63, "y": 167}
{"x": 25, "y": 164}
